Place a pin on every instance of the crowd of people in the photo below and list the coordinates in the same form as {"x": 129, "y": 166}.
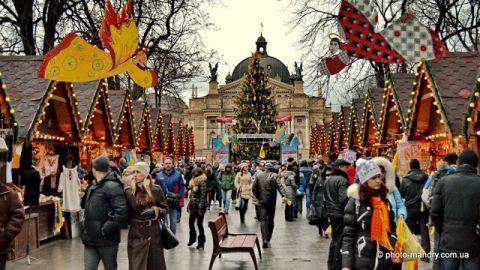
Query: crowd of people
{"x": 361, "y": 203}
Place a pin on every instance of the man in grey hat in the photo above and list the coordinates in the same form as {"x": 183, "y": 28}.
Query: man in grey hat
{"x": 265, "y": 190}
{"x": 105, "y": 214}
{"x": 335, "y": 201}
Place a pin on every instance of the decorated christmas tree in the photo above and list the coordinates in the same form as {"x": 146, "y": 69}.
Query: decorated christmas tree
{"x": 255, "y": 107}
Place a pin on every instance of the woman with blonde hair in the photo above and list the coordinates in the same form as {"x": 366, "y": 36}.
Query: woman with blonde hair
{"x": 243, "y": 183}
{"x": 146, "y": 204}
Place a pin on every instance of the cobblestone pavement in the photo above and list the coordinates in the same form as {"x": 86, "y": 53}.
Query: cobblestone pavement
{"x": 294, "y": 245}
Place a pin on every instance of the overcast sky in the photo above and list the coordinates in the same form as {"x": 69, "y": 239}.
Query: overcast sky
{"x": 239, "y": 27}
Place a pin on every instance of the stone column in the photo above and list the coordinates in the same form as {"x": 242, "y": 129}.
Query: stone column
{"x": 307, "y": 133}
{"x": 205, "y": 132}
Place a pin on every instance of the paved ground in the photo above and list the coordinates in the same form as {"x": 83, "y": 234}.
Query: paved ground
{"x": 294, "y": 245}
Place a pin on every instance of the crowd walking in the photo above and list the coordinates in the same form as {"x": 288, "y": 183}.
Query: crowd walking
{"x": 357, "y": 214}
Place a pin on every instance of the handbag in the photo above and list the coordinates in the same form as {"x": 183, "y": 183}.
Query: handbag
{"x": 313, "y": 217}
{"x": 167, "y": 237}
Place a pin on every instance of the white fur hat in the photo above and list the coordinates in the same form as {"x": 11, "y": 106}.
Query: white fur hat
{"x": 368, "y": 170}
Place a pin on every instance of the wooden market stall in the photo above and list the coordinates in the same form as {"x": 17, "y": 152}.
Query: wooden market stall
{"x": 157, "y": 135}
{"x": 395, "y": 105}
{"x": 124, "y": 127}
{"x": 96, "y": 121}
{"x": 342, "y": 129}
{"x": 439, "y": 103}
{"x": 334, "y": 136}
{"x": 355, "y": 125}
{"x": 371, "y": 120}
{"x": 323, "y": 140}
{"x": 143, "y": 127}
{"x": 48, "y": 132}
{"x": 471, "y": 129}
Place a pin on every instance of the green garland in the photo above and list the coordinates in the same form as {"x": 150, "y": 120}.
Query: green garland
{"x": 11, "y": 110}
{"x": 473, "y": 100}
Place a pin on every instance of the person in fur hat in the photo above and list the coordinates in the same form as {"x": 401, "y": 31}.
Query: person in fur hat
{"x": 369, "y": 222}
{"x": 197, "y": 206}
{"x": 146, "y": 204}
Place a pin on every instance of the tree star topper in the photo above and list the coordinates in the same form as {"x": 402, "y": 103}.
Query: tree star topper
{"x": 75, "y": 60}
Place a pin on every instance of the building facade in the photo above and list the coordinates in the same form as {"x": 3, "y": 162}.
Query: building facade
{"x": 287, "y": 91}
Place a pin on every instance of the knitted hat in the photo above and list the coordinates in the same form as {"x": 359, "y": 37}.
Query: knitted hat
{"x": 101, "y": 164}
{"x": 450, "y": 158}
{"x": 468, "y": 157}
{"x": 341, "y": 162}
{"x": 368, "y": 170}
{"x": 269, "y": 166}
{"x": 142, "y": 168}
{"x": 359, "y": 162}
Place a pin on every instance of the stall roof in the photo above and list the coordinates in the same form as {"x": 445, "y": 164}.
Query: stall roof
{"x": 403, "y": 85}
{"x": 86, "y": 93}
{"x": 454, "y": 74}
{"x": 25, "y": 89}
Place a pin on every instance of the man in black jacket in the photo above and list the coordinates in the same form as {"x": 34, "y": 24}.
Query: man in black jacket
{"x": 105, "y": 213}
{"x": 335, "y": 201}
{"x": 455, "y": 214}
{"x": 265, "y": 189}
{"x": 411, "y": 190}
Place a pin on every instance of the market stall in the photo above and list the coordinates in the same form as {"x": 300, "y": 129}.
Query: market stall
{"x": 124, "y": 127}
{"x": 49, "y": 131}
{"x": 342, "y": 129}
{"x": 471, "y": 129}
{"x": 333, "y": 134}
{"x": 143, "y": 127}
{"x": 157, "y": 135}
{"x": 439, "y": 103}
{"x": 371, "y": 120}
{"x": 355, "y": 125}
{"x": 395, "y": 105}
{"x": 96, "y": 121}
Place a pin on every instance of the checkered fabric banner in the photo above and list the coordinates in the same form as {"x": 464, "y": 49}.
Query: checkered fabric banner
{"x": 367, "y": 8}
{"x": 410, "y": 38}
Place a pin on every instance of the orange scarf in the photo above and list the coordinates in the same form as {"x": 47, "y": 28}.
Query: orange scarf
{"x": 380, "y": 223}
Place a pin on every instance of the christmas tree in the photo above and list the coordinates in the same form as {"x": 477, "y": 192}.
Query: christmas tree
{"x": 255, "y": 107}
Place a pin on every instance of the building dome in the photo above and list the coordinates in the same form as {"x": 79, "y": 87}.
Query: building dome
{"x": 271, "y": 65}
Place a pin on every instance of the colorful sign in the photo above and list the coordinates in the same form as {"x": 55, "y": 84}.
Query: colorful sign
{"x": 220, "y": 152}
{"x": 289, "y": 150}
{"x": 412, "y": 150}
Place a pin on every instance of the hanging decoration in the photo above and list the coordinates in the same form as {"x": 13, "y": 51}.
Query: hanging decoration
{"x": 404, "y": 40}
{"x": 75, "y": 60}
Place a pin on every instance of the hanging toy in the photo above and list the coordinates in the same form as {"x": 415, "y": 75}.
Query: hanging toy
{"x": 337, "y": 60}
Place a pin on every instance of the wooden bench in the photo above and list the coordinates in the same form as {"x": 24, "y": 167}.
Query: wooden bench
{"x": 225, "y": 242}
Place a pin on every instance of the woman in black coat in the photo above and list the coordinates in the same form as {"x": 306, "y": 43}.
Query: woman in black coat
{"x": 197, "y": 206}
{"x": 369, "y": 223}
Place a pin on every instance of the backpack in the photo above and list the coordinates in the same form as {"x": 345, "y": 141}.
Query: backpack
{"x": 429, "y": 189}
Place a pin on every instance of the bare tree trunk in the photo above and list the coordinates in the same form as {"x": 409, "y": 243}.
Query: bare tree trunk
{"x": 24, "y": 10}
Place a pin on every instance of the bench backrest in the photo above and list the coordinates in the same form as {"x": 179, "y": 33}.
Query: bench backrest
{"x": 219, "y": 228}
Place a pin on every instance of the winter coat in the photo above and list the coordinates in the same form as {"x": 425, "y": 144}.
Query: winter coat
{"x": 433, "y": 181}
{"x": 172, "y": 185}
{"x": 31, "y": 180}
{"x": 225, "y": 180}
{"x": 411, "y": 189}
{"x": 393, "y": 196}
{"x": 265, "y": 188}
{"x": 316, "y": 175}
{"x": 11, "y": 217}
{"x": 455, "y": 210}
{"x": 244, "y": 185}
{"x": 143, "y": 237}
{"x": 307, "y": 174}
{"x": 105, "y": 212}
{"x": 290, "y": 189}
{"x": 358, "y": 251}
{"x": 318, "y": 196}
{"x": 211, "y": 182}
{"x": 198, "y": 194}
{"x": 336, "y": 193}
